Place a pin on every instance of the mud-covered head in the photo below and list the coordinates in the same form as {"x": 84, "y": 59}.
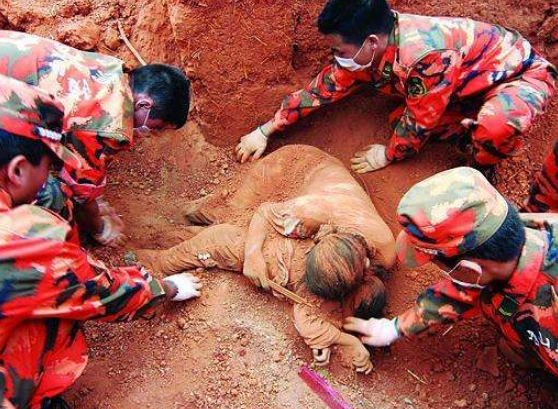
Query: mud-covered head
{"x": 161, "y": 97}
{"x": 369, "y": 299}
{"x": 358, "y": 31}
{"x": 335, "y": 266}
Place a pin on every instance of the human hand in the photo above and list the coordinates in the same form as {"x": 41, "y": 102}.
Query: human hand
{"x": 255, "y": 269}
{"x": 372, "y": 158}
{"x": 359, "y": 353}
{"x": 182, "y": 287}
{"x": 111, "y": 232}
{"x": 321, "y": 356}
{"x": 376, "y": 332}
{"x": 253, "y": 144}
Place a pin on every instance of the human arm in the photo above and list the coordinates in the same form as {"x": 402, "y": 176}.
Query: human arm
{"x": 330, "y": 85}
{"x": 429, "y": 87}
{"x": 255, "y": 268}
{"x": 443, "y": 303}
{"x": 321, "y": 335}
{"x": 58, "y": 280}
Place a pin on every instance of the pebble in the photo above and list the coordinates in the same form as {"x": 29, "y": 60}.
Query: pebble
{"x": 203, "y": 192}
{"x": 234, "y": 392}
{"x": 277, "y": 356}
{"x": 408, "y": 401}
{"x": 472, "y": 387}
{"x": 462, "y": 403}
{"x": 181, "y": 322}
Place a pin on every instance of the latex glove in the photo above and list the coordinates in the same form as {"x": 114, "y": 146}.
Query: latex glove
{"x": 255, "y": 269}
{"x": 376, "y": 332}
{"x": 111, "y": 233}
{"x": 372, "y": 158}
{"x": 253, "y": 144}
{"x": 186, "y": 285}
{"x": 321, "y": 356}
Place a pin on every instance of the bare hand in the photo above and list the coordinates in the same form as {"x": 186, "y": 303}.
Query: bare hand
{"x": 255, "y": 269}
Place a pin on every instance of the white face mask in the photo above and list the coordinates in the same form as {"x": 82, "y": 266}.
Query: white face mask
{"x": 350, "y": 63}
{"x": 471, "y": 266}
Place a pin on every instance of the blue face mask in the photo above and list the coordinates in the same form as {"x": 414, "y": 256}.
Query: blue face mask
{"x": 471, "y": 266}
{"x": 350, "y": 63}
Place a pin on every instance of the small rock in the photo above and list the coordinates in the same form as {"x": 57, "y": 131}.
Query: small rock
{"x": 111, "y": 38}
{"x": 80, "y": 34}
{"x": 181, "y": 322}
{"x": 462, "y": 403}
{"x": 488, "y": 361}
{"x": 408, "y": 401}
{"x": 234, "y": 392}
{"x": 472, "y": 387}
{"x": 277, "y": 356}
{"x": 485, "y": 397}
{"x": 244, "y": 342}
{"x": 203, "y": 192}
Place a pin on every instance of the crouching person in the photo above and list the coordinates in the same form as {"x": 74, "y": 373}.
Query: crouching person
{"x": 48, "y": 284}
{"x": 322, "y": 249}
{"x": 495, "y": 262}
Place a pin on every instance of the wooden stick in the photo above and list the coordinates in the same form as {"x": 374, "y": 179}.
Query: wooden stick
{"x": 415, "y": 376}
{"x": 289, "y": 294}
{"x": 129, "y": 44}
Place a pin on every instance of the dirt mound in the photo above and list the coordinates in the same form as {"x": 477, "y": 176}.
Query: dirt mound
{"x": 236, "y": 348}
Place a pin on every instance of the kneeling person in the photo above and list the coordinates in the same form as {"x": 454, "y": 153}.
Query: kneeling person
{"x": 50, "y": 285}
{"x": 324, "y": 246}
{"x": 497, "y": 263}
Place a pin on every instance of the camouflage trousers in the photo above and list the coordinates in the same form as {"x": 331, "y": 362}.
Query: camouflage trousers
{"x": 491, "y": 125}
{"x": 41, "y": 359}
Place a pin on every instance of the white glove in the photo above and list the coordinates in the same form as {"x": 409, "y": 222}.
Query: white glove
{"x": 186, "y": 285}
{"x": 253, "y": 144}
{"x": 376, "y": 332}
{"x": 372, "y": 158}
{"x": 111, "y": 234}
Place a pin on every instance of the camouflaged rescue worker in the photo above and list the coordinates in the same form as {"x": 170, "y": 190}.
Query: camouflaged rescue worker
{"x": 477, "y": 84}
{"x": 104, "y": 108}
{"x": 543, "y": 193}
{"x": 496, "y": 263}
{"x": 326, "y": 244}
{"x": 48, "y": 284}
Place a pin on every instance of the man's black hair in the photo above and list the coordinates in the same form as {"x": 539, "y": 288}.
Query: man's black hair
{"x": 169, "y": 89}
{"x": 12, "y": 145}
{"x": 505, "y": 245}
{"x": 355, "y": 20}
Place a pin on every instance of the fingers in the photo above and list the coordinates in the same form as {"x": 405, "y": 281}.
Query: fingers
{"x": 258, "y": 154}
{"x": 244, "y": 157}
{"x": 362, "y": 168}
{"x": 353, "y": 324}
{"x": 368, "y": 341}
{"x": 358, "y": 159}
{"x": 264, "y": 283}
{"x": 366, "y": 369}
{"x": 321, "y": 356}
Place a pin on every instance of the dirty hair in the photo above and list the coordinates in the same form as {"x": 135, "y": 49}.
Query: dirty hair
{"x": 355, "y": 20}
{"x": 335, "y": 266}
{"x": 369, "y": 299}
{"x": 168, "y": 87}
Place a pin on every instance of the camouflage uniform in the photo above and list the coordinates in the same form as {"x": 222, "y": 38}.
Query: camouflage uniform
{"x": 461, "y": 80}
{"x": 48, "y": 284}
{"x": 96, "y": 97}
{"x": 543, "y": 194}
{"x": 455, "y": 212}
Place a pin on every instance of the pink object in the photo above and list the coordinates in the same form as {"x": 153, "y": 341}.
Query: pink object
{"x": 323, "y": 389}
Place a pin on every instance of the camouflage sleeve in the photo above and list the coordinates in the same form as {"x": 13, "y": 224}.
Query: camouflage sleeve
{"x": 442, "y": 303}
{"x": 331, "y": 84}
{"x": 75, "y": 287}
{"x": 89, "y": 182}
{"x": 429, "y": 87}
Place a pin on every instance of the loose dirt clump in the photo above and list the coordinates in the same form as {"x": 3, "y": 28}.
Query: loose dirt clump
{"x": 236, "y": 347}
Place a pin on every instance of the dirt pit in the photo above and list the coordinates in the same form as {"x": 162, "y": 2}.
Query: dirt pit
{"x": 236, "y": 346}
